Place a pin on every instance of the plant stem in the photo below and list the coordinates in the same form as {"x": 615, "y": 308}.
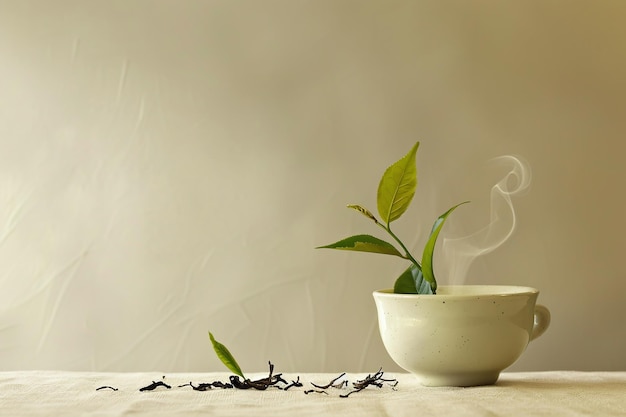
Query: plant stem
{"x": 406, "y": 251}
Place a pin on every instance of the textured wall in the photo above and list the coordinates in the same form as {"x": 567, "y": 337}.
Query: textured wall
{"x": 166, "y": 168}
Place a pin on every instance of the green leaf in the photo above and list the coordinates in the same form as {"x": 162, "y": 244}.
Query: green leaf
{"x": 364, "y": 243}
{"x": 226, "y": 357}
{"x": 412, "y": 282}
{"x": 397, "y": 187}
{"x": 429, "y": 249}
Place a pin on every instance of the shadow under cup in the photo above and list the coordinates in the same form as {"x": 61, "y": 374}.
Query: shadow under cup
{"x": 464, "y": 335}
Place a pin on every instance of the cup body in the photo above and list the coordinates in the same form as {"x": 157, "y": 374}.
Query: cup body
{"x": 462, "y": 336}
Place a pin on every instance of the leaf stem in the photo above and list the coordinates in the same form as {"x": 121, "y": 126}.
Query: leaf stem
{"x": 406, "y": 251}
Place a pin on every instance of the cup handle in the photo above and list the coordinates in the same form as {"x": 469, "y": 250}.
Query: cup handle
{"x": 541, "y": 322}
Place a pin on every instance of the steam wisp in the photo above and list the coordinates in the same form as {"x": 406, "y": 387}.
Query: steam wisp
{"x": 461, "y": 252}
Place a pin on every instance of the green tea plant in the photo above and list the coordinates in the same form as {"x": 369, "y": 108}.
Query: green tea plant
{"x": 395, "y": 192}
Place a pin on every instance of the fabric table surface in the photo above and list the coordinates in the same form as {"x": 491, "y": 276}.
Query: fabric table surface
{"x": 60, "y": 393}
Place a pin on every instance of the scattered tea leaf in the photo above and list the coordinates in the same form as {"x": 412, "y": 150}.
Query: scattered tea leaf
{"x": 295, "y": 383}
{"x": 155, "y": 385}
{"x": 273, "y": 380}
{"x": 309, "y": 391}
{"x": 106, "y": 387}
{"x": 260, "y": 384}
{"x": 376, "y": 380}
{"x": 205, "y": 386}
{"x": 332, "y": 383}
{"x": 199, "y": 387}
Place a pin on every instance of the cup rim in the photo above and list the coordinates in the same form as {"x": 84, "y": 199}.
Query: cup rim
{"x": 473, "y": 291}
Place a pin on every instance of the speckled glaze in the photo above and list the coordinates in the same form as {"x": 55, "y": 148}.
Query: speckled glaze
{"x": 463, "y": 336}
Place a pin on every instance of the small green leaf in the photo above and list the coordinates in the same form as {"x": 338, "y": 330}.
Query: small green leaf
{"x": 397, "y": 187}
{"x": 363, "y": 211}
{"x": 405, "y": 284}
{"x": 412, "y": 282}
{"x": 429, "y": 249}
{"x": 364, "y": 243}
{"x": 226, "y": 357}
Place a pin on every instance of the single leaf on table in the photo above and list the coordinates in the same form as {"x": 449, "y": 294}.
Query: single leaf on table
{"x": 226, "y": 357}
{"x": 364, "y": 243}
{"x": 429, "y": 249}
{"x": 412, "y": 282}
{"x": 397, "y": 187}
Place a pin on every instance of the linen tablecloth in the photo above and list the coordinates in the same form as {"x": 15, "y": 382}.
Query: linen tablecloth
{"x": 37, "y": 393}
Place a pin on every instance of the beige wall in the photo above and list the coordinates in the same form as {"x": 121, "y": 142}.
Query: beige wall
{"x": 166, "y": 169}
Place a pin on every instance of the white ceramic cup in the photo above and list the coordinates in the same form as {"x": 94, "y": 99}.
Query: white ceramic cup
{"x": 464, "y": 335}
